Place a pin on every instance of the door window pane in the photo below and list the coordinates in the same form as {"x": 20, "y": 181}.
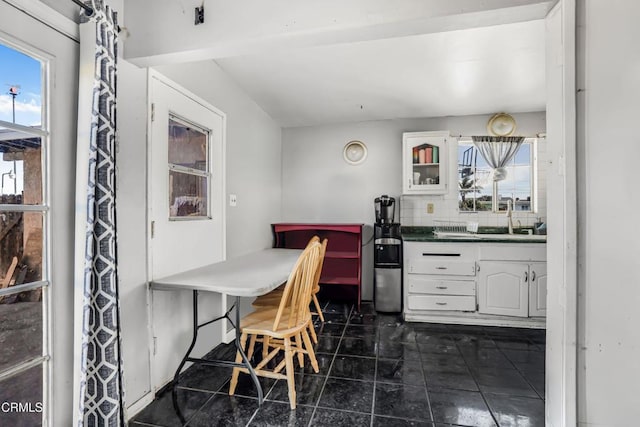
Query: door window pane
{"x": 21, "y": 250}
{"x": 188, "y": 169}
{"x": 23, "y": 393}
{"x": 21, "y": 96}
{"x": 20, "y": 168}
{"x": 20, "y": 331}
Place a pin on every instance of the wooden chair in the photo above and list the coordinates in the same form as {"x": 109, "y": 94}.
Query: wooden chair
{"x": 272, "y": 299}
{"x": 284, "y": 329}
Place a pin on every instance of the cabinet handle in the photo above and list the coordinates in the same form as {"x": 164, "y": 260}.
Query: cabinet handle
{"x": 441, "y": 287}
{"x": 441, "y": 303}
{"x": 526, "y": 276}
{"x": 441, "y": 268}
{"x": 533, "y": 276}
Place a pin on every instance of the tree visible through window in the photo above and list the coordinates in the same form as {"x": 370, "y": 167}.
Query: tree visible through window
{"x": 478, "y": 192}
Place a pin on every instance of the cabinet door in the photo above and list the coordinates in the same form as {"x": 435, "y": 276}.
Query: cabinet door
{"x": 424, "y": 163}
{"x": 538, "y": 289}
{"x": 503, "y": 288}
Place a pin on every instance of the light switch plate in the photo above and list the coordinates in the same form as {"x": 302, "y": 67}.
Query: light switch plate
{"x": 233, "y": 200}
{"x": 430, "y": 208}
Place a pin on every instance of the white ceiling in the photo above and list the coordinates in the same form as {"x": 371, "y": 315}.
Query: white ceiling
{"x": 471, "y": 71}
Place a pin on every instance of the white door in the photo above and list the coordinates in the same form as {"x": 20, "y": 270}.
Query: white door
{"x": 186, "y": 181}
{"x": 538, "y": 289}
{"x": 503, "y": 288}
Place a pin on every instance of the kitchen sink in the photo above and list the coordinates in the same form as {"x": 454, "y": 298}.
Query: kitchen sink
{"x": 492, "y": 236}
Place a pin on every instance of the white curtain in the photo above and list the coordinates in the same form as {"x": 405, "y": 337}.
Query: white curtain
{"x": 497, "y": 151}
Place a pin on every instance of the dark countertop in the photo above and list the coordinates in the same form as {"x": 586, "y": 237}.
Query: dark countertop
{"x": 425, "y": 234}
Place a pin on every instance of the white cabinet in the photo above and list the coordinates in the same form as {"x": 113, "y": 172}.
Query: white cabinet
{"x": 503, "y": 288}
{"x": 501, "y": 284}
{"x": 424, "y": 162}
{"x": 512, "y": 288}
{"x": 538, "y": 289}
{"x": 439, "y": 277}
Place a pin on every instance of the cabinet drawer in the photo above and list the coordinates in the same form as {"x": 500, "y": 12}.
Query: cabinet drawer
{"x": 441, "y": 302}
{"x": 423, "y": 285}
{"x": 443, "y": 267}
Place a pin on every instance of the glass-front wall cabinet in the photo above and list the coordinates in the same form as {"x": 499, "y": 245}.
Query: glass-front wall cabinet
{"x": 425, "y": 168}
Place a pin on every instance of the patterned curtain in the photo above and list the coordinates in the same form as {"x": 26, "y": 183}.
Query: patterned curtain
{"x": 100, "y": 374}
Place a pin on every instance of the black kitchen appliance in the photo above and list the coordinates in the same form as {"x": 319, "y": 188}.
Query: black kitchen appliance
{"x": 387, "y": 258}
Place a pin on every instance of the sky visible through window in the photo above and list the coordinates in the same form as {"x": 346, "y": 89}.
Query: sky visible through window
{"x": 21, "y": 71}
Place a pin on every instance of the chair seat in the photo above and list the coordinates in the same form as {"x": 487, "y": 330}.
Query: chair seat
{"x": 261, "y": 322}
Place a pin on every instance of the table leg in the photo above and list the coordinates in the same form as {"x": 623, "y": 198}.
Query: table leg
{"x": 252, "y": 372}
{"x": 174, "y": 391}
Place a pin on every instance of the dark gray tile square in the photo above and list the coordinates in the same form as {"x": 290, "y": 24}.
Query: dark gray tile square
{"x": 486, "y": 357}
{"x": 225, "y": 410}
{"x": 380, "y": 421}
{"x": 341, "y": 318}
{"x": 402, "y": 400}
{"x": 361, "y": 331}
{"x": 357, "y": 368}
{"x": 324, "y": 362}
{"x": 308, "y": 389}
{"x": 435, "y": 339}
{"x": 398, "y": 350}
{"x": 400, "y": 371}
{"x": 331, "y": 418}
{"x": 512, "y": 411}
{"x": 331, "y": 329}
{"x": 275, "y": 414}
{"x": 451, "y": 380}
{"x": 465, "y": 408}
{"x": 387, "y": 319}
{"x": 503, "y": 381}
{"x": 532, "y": 360}
{"x": 358, "y": 347}
{"x": 512, "y": 343}
{"x": 440, "y": 348}
{"x": 471, "y": 340}
{"x": 537, "y": 381}
{"x": 396, "y": 334}
{"x": 347, "y": 395}
{"x": 206, "y": 378}
{"x": 363, "y": 319}
{"x": 161, "y": 412}
{"x": 247, "y": 388}
{"x": 327, "y": 344}
{"x": 435, "y": 362}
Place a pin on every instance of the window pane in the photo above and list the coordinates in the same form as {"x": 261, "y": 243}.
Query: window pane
{"x": 20, "y": 168}
{"x": 474, "y": 180}
{"x": 187, "y": 145}
{"x": 187, "y": 195}
{"x": 21, "y": 97}
{"x": 20, "y": 331}
{"x": 21, "y": 250}
{"x": 517, "y": 185}
{"x": 23, "y": 392}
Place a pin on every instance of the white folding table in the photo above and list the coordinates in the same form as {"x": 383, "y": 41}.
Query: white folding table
{"x": 249, "y": 275}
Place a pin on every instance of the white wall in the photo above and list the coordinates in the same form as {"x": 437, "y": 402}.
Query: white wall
{"x": 609, "y": 149}
{"x": 319, "y": 186}
{"x": 252, "y": 173}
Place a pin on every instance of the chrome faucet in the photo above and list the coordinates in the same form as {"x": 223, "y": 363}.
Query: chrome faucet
{"x": 510, "y": 215}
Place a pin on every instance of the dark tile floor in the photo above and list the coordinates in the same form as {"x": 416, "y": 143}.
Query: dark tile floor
{"x": 377, "y": 370}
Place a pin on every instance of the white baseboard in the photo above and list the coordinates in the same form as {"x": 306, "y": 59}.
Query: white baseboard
{"x": 229, "y": 336}
{"x": 139, "y": 405}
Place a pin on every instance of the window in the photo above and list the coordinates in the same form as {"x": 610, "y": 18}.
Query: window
{"x": 478, "y": 192}
{"x": 24, "y": 216}
{"x": 188, "y": 170}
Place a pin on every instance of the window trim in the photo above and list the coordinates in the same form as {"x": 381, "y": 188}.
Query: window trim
{"x": 495, "y": 203}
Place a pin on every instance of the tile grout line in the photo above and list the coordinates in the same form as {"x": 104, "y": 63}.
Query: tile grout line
{"x": 523, "y": 376}
{"x": 335, "y": 354}
{"x": 375, "y": 374}
{"x": 424, "y": 378}
{"x": 484, "y": 399}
